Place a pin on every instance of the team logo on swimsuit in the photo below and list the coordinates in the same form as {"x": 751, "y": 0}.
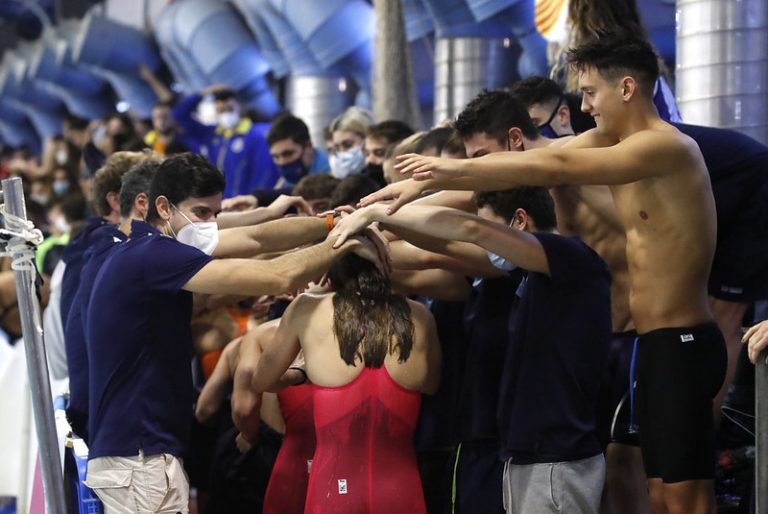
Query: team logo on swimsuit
{"x": 686, "y": 338}
{"x": 342, "y": 486}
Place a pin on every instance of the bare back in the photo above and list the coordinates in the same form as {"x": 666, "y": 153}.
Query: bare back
{"x": 671, "y": 228}
{"x": 325, "y": 367}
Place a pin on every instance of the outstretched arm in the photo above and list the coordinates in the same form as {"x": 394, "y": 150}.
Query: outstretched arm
{"x": 643, "y": 155}
{"x": 275, "y": 276}
{"x": 516, "y": 246}
{"x": 273, "y": 236}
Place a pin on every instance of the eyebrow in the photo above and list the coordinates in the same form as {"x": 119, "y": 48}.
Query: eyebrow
{"x": 481, "y": 152}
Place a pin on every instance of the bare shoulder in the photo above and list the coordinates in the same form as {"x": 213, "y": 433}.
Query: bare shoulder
{"x": 420, "y": 314}
{"x": 589, "y": 139}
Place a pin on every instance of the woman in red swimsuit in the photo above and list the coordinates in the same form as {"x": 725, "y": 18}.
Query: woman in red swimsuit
{"x": 369, "y": 355}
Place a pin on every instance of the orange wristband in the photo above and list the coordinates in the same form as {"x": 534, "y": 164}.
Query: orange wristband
{"x": 329, "y": 220}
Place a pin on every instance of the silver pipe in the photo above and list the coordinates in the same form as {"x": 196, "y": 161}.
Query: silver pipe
{"x": 761, "y": 434}
{"x": 722, "y": 64}
{"x": 317, "y": 100}
{"x": 464, "y": 66}
{"x": 37, "y": 364}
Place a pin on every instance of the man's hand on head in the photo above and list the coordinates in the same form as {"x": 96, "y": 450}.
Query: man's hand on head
{"x": 350, "y": 224}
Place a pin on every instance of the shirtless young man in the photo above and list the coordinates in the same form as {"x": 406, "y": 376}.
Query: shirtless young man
{"x": 664, "y": 200}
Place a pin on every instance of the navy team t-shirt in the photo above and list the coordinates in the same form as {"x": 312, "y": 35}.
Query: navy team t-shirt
{"x": 140, "y": 377}
{"x": 553, "y": 367}
{"x": 106, "y": 237}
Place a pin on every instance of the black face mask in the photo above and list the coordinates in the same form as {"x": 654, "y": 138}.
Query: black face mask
{"x": 545, "y": 129}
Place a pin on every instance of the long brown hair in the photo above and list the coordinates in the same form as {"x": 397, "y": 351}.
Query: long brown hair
{"x": 369, "y": 320}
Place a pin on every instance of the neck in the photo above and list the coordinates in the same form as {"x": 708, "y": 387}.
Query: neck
{"x": 539, "y": 142}
{"x": 642, "y": 118}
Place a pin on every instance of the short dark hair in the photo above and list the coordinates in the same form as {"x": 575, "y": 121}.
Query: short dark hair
{"x": 223, "y": 95}
{"x": 75, "y": 122}
{"x": 393, "y": 131}
{"x": 169, "y": 103}
{"x": 537, "y": 90}
{"x": 494, "y": 113}
{"x": 352, "y": 189}
{"x": 183, "y": 176}
{"x": 435, "y": 138}
{"x": 288, "y": 126}
{"x": 137, "y": 180}
{"x": 535, "y": 200}
{"x": 618, "y": 54}
{"x": 318, "y": 185}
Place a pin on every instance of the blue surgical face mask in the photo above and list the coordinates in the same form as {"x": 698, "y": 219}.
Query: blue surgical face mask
{"x": 547, "y": 131}
{"x": 500, "y": 262}
{"x": 294, "y": 171}
{"x": 60, "y": 187}
{"x": 345, "y": 164}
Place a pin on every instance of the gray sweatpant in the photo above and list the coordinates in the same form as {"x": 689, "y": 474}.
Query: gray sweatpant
{"x": 574, "y": 487}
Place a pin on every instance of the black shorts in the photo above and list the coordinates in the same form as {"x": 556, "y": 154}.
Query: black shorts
{"x": 614, "y": 403}
{"x": 679, "y": 372}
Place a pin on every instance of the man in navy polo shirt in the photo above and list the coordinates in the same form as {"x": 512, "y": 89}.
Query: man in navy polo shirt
{"x": 553, "y": 366}
{"x": 140, "y": 383}
{"x": 134, "y": 197}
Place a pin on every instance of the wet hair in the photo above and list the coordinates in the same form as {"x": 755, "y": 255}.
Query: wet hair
{"x": 108, "y": 179}
{"x": 435, "y": 138}
{"x": 352, "y": 189}
{"x": 136, "y": 181}
{"x": 183, "y": 176}
{"x": 618, "y": 54}
{"x": 589, "y": 17}
{"x": 393, "y": 131}
{"x": 494, "y": 113}
{"x": 319, "y": 185}
{"x": 537, "y": 90}
{"x": 535, "y": 200}
{"x": 369, "y": 320}
{"x": 288, "y": 126}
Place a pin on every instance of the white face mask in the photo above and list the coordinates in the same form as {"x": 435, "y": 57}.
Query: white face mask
{"x": 345, "y": 164}
{"x": 228, "y": 120}
{"x": 203, "y": 235}
{"x": 61, "y": 225}
{"x": 61, "y": 156}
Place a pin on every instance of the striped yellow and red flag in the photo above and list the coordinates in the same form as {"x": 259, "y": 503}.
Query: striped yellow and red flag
{"x": 551, "y": 18}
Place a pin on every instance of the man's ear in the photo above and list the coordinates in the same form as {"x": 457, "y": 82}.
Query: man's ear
{"x": 564, "y": 116}
{"x": 113, "y": 199}
{"x": 515, "y": 136}
{"x": 628, "y": 88}
{"x": 522, "y": 219}
{"x": 141, "y": 204}
{"x": 163, "y": 206}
